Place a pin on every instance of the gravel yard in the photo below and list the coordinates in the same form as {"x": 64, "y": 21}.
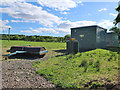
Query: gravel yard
{"x": 20, "y": 74}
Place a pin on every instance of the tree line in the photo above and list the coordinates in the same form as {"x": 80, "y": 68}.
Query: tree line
{"x": 36, "y": 38}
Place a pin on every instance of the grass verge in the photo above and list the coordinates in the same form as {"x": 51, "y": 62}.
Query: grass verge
{"x": 90, "y": 69}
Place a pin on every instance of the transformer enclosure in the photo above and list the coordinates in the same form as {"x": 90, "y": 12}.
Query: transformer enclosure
{"x": 89, "y": 37}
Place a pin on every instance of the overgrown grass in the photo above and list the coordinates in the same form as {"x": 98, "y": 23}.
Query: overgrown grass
{"x": 88, "y": 69}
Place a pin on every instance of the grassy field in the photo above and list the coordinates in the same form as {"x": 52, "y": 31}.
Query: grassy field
{"x": 47, "y": 45}
{"x": 50, "y": 46}
{"x": 91, "y": 69}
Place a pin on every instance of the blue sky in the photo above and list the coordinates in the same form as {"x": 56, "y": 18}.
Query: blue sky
{"x": 54, "y": 18}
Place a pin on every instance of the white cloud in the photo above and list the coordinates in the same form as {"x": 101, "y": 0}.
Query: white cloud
{"x": 101, "y": 1}
{"x": 58, "y": 4}
{"x": 3, "y": 25}
{"x": 31, "y": 31}
{"x": 27, "y": 31}
{"x": 106, "y": 24}
{"x": 79, "y": 2}
{"x": 103, "y": 9}
{"x": 25, "y": 21}
{"x": 9, "y": 2}
{"x": 40, "y": 30}
{"x": 64, "y": 26}
{"x": 63, "y": 12}
{"x": 48, "y": 30}
{"x": 65, "y": 30}
{"x": 67, "y": 24}
{"x": 112, "y": 14}
{"x": 30, "y": 12}
{"x": 16, "y": 21}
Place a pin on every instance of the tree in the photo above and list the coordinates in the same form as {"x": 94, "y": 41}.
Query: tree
{"x": 32, "y": 38}
{"x": 66, "y": 37}
{"x": 16, "y": 37}
{"x": 60, "y": 39}
{"x": 4, "y": 37}
{"x": 22, "y": 37}
{"x": 38, "y": 39}
{"x": 115, "y": 29}
{"x": 117, "y": 19}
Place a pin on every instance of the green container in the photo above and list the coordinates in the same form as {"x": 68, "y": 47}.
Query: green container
{"x": 89, "y": 37}
{"x": 112, "y": 39}
{"x": 72, "y": 46}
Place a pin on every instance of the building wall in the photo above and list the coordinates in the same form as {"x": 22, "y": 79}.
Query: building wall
{"x": 112, "y": 39}
{"x": 86, "y": 37}
{"x": 101, "y": 37}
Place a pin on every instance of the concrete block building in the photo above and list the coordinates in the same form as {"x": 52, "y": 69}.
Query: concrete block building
{"x": 89, "y": 37}
{"x": 112, "y": 39}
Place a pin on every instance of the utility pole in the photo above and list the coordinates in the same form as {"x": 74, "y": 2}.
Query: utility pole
{"x": 9, "y": 34}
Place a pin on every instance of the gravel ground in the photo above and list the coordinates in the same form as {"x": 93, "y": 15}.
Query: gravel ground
{"x": 20, "y": 74}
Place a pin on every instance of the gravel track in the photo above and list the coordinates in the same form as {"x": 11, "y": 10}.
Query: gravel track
{"x": 20, "y": 74}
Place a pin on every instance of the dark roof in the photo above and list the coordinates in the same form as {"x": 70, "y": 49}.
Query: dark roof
{"x": 89, "y": 26}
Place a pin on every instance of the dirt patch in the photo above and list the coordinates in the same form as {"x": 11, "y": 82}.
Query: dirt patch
{"x": 20, "y": 74}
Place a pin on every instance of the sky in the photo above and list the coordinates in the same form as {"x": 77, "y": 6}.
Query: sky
{"x": 55, "y": 17}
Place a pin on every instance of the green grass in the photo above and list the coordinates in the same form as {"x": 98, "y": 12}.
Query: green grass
{"x": 47, "y": 45}
{"x": 50, "y": 46}
{"x": 88, "y": 69}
